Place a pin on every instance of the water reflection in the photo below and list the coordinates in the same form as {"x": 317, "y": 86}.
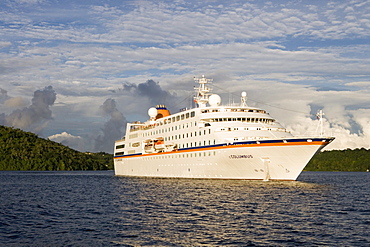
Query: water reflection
{"x": 219, "y": 212}
{"x": 100, "y": 209}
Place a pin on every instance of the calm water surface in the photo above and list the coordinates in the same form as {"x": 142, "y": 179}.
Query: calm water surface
{"x": 100, "y": 209}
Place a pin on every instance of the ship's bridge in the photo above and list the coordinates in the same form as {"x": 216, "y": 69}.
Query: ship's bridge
{"x": 236, "y": 114}
{"x": 232, "y": 110}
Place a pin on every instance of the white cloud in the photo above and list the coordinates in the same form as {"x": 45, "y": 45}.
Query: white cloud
{"x": 5, "y": 44}
{"x": 29, "y": 1}
{"x": 75, "y": 142}
{"x": 62, "y": 136}
{"x": 363, "y": 84}
{"x": 15, "y": 102}
{"x": 267, "y": 48}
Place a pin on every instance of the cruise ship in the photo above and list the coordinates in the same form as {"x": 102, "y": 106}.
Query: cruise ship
{"x": 213, "y": 141}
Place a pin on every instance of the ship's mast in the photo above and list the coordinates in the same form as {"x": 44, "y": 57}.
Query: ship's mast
{"x": 202, "y": 91}
{"x": 243, "y": 99}
{"x": 320, "y": 125}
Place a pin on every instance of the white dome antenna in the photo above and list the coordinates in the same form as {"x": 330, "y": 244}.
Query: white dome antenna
{"x": 243, "y": 102}
{"x": 152, "y": 112}
{"x": 214, "y": 100}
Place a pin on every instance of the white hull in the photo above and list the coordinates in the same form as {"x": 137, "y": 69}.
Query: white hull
{"x": 263, "y": 161}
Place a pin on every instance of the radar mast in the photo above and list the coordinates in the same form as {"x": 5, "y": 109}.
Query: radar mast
{"x": 202, "y": 91}
{"x": 320, "y": 125}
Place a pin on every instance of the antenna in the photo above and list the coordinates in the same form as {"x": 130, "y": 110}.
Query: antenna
{"x": 320, "y": 125}
{"x": 243, "y": 99}
{"x": 202, "y": 91}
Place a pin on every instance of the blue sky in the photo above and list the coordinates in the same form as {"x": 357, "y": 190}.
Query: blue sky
{"x": 292, "y": 58}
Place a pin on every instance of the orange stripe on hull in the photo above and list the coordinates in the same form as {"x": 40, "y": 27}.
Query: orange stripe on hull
{"x": 317, "y": 143}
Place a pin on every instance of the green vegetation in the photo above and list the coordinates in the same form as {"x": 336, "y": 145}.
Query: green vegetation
{"x": 26, "y": 151}
{"x": 357, "y": 160}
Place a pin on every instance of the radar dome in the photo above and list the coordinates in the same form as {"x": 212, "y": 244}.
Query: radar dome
{"x": 152, "y": 112}
{"x": 244, "y": 94}
{"x": 214, "y": 100}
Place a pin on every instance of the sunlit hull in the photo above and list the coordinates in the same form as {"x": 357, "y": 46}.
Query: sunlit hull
{"x": 214, "y": 141}
{"x": 255, "y": 160}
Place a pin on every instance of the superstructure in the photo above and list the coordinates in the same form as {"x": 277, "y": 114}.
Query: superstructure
{"x": 213, "y": 141}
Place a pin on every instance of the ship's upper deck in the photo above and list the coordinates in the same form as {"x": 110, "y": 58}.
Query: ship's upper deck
{"x": 209, "y": 111}
{"x": 208, "y": 124}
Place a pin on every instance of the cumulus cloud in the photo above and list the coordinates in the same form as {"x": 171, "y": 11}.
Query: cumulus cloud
{"x": 112, "y": 129}
{"x": 15, "y": 102}
{"x": 3, "y": 95}
{"x": 75, "y": 142}
{"x": 152, "y": 91}
{"x": 295, "y": 106}
{"x": 310, "y": 55}
{"x": 35, "y": 117}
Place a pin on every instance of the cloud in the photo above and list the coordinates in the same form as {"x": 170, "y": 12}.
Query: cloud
{"x": 29, "y": 1}
{"x": 362, "y": 84}
{"x": 75, "y": 142}
{"x": 151, "y": 90}
{"x": 170, "y": 23}
{"x": 166, "y": 23}
{"x": 15, "y": 102}
{"x": 5, "y": 44}
{"x": 3, "y": 96}
{"x": 309, "y": 56}
{"x": 112, "y": 129}
{"x": 35, "y": 117}
{"x": 295, "y": 106}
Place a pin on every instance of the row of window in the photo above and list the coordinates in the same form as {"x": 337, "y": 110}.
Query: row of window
{"x": 233, "y": 110}
{"x": 173, "y": 128}
{"x": 165, "y": 121}
{"x": 184, "y": 145}
{"x": 184, "y": 155}
{"x": 188, "y": 135}
{"x": 196, "y": 144}
{"x": 243, "y": 119}
{"x": 187, "y": 125}
{"x": 177, "y": 118}
{"x": 251, "y": 128}
{"x": 192, "y": 114}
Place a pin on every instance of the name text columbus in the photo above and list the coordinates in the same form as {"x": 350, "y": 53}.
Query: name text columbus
{"x": 240, "y": 156}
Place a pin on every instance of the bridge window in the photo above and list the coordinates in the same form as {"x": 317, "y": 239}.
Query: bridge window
{"x": 120, "y": 146}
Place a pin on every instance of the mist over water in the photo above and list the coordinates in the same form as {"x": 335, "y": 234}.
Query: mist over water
{"x": 100, "y": 209}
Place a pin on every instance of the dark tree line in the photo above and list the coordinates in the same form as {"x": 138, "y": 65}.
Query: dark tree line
{"x": 356, "y": 160}
{"x": 23, "y": 151}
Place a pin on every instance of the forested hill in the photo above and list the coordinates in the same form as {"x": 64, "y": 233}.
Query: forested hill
{"x": 356, "y": 160}
{"x": 21, "y": 150}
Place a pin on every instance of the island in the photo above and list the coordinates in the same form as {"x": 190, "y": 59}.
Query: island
{"x": 25, "y": 151}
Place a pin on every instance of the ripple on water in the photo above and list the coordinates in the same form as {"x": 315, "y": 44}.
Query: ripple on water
{"x": 99, "y": 209}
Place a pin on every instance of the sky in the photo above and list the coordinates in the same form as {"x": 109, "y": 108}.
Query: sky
{"x": 77, "y": 71}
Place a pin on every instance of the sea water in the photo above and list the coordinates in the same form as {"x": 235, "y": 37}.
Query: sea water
{"x": 96, "y": 208}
